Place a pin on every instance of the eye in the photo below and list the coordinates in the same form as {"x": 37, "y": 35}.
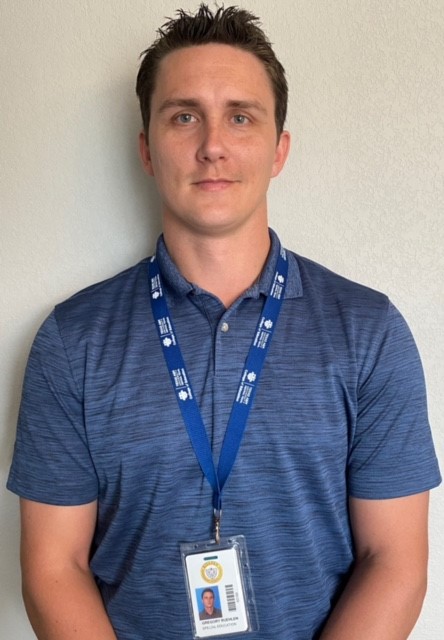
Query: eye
{"x": 185, "y": 118}
{"x": 239, "y": 118}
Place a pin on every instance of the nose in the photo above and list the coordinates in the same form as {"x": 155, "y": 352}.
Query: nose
{"x": 212, "y": 146}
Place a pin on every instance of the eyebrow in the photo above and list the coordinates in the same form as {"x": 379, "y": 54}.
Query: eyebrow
{"x": 192, "y": 103}
{"x": 247, "y": 104}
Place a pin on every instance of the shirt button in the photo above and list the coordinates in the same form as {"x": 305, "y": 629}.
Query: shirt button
{"x": 225, "y": 327}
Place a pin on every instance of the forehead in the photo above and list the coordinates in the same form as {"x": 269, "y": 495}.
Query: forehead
{"x": 217, "y": 66}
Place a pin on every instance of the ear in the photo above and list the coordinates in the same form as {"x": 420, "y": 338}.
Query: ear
{"x": 145, "y": 154}
{"x": 281, "y": 153}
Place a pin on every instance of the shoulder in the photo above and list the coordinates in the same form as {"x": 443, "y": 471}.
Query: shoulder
{"x": 103, "y": 314}
{"x": 344, "y": 308}
{"x": 102, "y": 296}
{"x": 361, "y": 325}
{"x": 101, "y": 305}
{"x": 334, "y": 288}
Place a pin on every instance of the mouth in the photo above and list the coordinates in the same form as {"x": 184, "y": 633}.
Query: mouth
{"x": 219, "y": 184}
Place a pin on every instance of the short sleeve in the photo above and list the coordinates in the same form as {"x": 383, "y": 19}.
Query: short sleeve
{"x": 392, "y": 453}
{"x": 51, "y": 461}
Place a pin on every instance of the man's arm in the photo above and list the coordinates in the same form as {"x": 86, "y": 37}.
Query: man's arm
{"x": 60, "y": 595}
{"x": 383, "y": 597}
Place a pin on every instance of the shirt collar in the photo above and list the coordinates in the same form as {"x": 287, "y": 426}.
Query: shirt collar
{"x": 180, "y": 287}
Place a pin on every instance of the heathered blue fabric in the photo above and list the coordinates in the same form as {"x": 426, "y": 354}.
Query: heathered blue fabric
{"x": 340, "y": 411}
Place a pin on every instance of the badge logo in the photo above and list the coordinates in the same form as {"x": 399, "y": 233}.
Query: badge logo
{"x": 211, "y": 572}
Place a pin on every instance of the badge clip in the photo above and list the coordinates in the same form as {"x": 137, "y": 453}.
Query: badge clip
{"x": 216, "y": 520}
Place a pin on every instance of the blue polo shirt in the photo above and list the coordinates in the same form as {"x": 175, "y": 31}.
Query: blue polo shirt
{"x": 340, "y": 411}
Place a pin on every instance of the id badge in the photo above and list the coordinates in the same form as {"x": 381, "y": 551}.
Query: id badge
{"x": 220, "y": 593}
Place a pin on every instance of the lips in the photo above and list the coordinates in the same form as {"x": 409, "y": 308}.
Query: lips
{"x": 214, "y": 185}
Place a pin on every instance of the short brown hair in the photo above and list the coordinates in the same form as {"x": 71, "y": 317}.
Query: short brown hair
{"x": 232, "y": 26}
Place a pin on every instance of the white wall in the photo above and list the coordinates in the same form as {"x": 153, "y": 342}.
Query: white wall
{"x": 362, "y": 192}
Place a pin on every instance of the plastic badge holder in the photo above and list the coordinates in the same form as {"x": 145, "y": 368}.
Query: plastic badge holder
{"x": 219, "y": 587}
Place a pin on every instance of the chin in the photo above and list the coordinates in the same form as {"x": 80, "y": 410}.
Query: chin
{"x": 215, "y": 226}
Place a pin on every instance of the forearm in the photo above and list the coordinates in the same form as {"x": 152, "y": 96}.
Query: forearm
{"x": 66, "y": 606}
{"x": 380, "y": 602}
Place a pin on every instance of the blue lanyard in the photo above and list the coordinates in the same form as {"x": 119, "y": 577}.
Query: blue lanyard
{"x": 247, "y": 385}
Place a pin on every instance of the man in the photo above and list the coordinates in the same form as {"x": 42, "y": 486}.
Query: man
{"x": 209, "y": 612}
{"x": 329, "y": 480}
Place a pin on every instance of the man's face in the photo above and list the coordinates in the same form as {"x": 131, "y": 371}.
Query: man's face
{"x": 208, "y": 601}
{"x": 212, "y": 141}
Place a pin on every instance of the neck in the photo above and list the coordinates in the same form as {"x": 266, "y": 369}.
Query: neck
{"x": 223, "y": 265}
